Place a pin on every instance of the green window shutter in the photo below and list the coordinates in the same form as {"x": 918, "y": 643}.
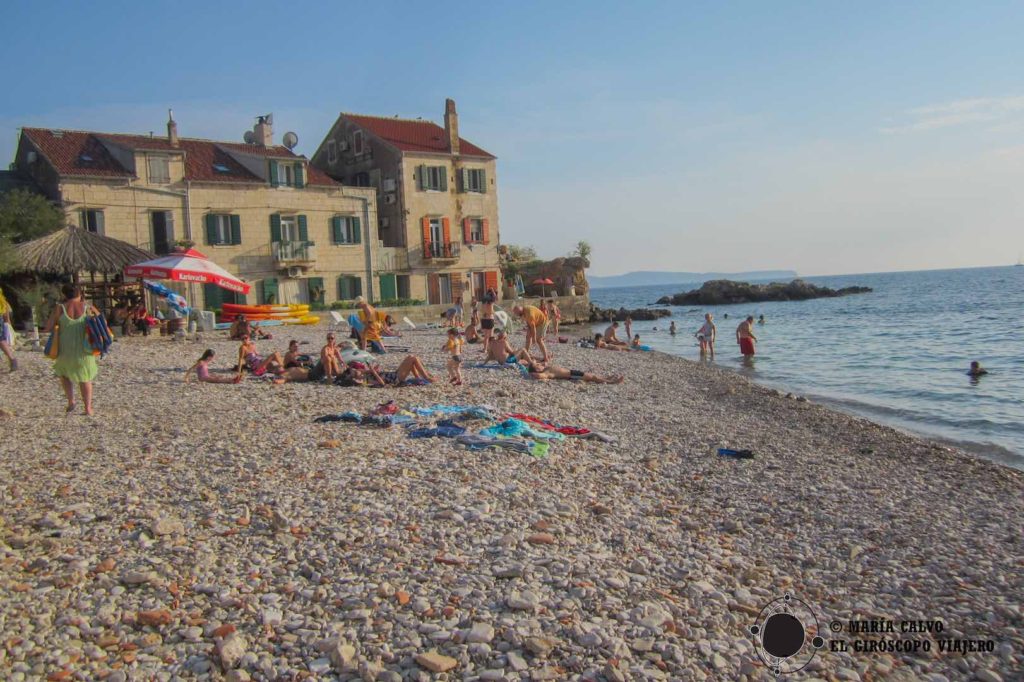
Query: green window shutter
{"x": 211, "y": 228}
{"x": 483, "y": 180}
{"x": 444, "y": 178}
{"x": 84, "y": 219}
{"x": 299, "y": 180}
{"x": 273, "y": 173}
{"x": 356, "y": 236}
{"x": 212, "y": 296}
{"x": 336, "y": 229}
{"x": 342, "y": 289}
{"x": 275, "y": 227}
{"x": 303, "y": 230}
{"x": 421, "y": 174}
{"x": 315, "y": 286}
{"x": 270, "y": 290}
{"x": 464, "y": 180}
{"x": 236, "y": 230}
{"x": 388, "y": 288}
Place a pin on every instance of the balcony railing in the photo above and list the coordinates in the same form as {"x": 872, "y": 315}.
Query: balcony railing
{"x": 392, "y": 260}
{"x": 440, "y": 251}
{"x": 295, "y": 252}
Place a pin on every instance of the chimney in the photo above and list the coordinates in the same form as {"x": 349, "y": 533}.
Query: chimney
{"x": 451, "y": 125}
{"x": 264, "y": 130}
{"x": 172, "y": 129}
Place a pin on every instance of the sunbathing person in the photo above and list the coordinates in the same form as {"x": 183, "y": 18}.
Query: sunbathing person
{"x": 409, "y": 369}
{"x": 471, "y": 334}
{"x": 544, "y": 372}
{"x": 242, "y": 327}
{"x": 249, "y": 358}
{"x": 202, "y": 370}
{"x": 499, "y": 349}
{"x": 610, "y": 336}
{"x": 293, "y": 358}
{"x": 330, "y": 359}
{"x": 599, "y": 342}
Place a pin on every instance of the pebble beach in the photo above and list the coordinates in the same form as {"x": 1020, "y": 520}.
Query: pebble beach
{"x": 199, "y": 531}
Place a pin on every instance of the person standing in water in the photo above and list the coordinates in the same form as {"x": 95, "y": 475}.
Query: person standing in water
{"x": 707, "y": 334}
{"x": 760, "y": 320}
{"x": 629, "y": 327}
{"x": 672, "y": 328}
{"x": 75, "y": 362}
{"x": 745, "y": 337}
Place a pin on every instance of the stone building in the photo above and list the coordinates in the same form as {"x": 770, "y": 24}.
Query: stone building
{"x": 255, "y": 208}
{"x": 437, "y": 202}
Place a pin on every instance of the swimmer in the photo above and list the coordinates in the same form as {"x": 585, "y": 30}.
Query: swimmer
{"x": 672, "y": 329}
{"x": 976, "y": 370}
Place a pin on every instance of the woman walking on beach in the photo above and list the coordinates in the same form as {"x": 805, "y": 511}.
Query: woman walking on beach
{"x": 75, "y": 362}
{"x": 7, "y": 332}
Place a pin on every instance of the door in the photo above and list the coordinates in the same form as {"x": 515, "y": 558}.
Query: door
{"x": 388, "y": 288}
{"x": 445, "y": 285}
{"x": 315, "y": 289}
{"x": 479, "y": 287}
{"x": 292, "y": 291}
{"x": 163, "y": 232}
{"x": 436, "y": 238}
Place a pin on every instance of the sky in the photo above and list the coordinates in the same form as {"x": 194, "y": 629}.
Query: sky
{"x": 821, "y": 137}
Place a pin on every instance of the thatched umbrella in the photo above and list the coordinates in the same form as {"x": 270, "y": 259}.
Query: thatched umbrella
{"x": 73, "y": 250}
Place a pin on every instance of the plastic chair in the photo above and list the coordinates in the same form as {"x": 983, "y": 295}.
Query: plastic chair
{"x": 338, "y": 321}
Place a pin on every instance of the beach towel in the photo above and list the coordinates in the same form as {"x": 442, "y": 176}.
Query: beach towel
{"x": 515, "y": 427}
{"x": 99, "y": 334}
{"x": 457, "y": 411}
{"x": 445, "y": 429}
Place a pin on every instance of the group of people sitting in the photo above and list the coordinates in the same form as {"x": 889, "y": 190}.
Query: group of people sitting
{"x": 131, "y": 316}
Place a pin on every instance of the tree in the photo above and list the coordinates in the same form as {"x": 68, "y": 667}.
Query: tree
{"x": 521, "y": 253}
{"x": 582, "y": 250}
{"x": 24, "y": 216}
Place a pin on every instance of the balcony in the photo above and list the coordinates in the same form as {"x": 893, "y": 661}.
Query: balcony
{"x": 293, "y": 253}
{"x": 392, "y": 259}
{"x": 440, "y": 251}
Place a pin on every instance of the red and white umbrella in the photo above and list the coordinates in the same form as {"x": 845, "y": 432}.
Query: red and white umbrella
{"x": 188, "y": 266}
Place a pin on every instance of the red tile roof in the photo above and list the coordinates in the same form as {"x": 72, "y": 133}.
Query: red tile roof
{"x": 414, "y": 136}
{"x": 68, "y": 151}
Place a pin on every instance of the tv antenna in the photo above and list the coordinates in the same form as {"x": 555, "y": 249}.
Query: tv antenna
{"x": 290, "y": 140}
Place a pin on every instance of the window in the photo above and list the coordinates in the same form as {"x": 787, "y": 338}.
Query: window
{"x": 332, "y": 152}
{"x": 474, "y": 180}
{"x": 289, "y": 229}
{"x": 159, "y": 170}
{"x": 286, "y": 174}
{"x": 433, "y": 178}
{"x": 349, "y": 287}
{"x": 358, "y": 146}
{"x": 404, "y": 289}
{"x": 92, "y": 220}
{"x": 221, "y": 168}
{"x": 476, "y": 230}
{"x": 163, "y": 231}
{"x": 223, "y": 229}
{"x": 345, "y": 230}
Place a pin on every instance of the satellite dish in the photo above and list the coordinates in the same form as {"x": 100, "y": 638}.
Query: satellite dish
{"x": 249, "y": 137}
{"x": 290, "y": 140}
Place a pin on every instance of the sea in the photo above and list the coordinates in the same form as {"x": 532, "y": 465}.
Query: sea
{"x": 898, "y": 355}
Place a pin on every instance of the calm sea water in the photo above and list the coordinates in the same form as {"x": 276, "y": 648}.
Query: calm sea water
{"x": 897, "y": 355}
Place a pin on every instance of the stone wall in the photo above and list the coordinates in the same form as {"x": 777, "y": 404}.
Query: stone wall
{"x": 575, "y": 309}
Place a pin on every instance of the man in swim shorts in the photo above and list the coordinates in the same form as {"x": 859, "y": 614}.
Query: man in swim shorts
{"x": 544, "y": 372}
{"x": 745, "y": 337}
{"x": 536, "y": 327}
{"x": 610, "y": 336}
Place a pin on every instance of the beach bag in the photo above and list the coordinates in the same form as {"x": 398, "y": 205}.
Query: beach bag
{"x": 52, "y": 347}
{"x": 98, "y": 334}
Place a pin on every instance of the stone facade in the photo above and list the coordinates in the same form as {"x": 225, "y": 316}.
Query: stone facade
{"x": 437, "y": 201}
{"x": 279, "y": 234}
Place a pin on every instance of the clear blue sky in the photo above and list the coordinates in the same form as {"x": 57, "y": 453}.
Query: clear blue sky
{"x": 823, "y": 137}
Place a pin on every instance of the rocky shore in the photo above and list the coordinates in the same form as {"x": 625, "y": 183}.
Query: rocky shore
{"x": 216, "y": 532}
{"x": 723, "y": 291}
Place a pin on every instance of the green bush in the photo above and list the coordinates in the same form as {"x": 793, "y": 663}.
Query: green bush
{"x": 399, "y": 302}
{"x": 342, "y": 305}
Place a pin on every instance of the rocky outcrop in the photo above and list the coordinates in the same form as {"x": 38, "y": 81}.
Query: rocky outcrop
{"x": 566, "y": 273}
{"x": 609, "y": 314}
{"x": 723, "y": 291}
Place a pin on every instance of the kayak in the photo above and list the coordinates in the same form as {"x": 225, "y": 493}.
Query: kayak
{"x": 308, "y": 319}
{"x": 257, "y": 317}
{"x": 257, "y": 309}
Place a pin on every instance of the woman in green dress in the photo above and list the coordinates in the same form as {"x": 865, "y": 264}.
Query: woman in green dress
{"x": 75, "y": 362}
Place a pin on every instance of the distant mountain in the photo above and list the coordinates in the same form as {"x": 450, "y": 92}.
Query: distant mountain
{"x": 647, "y": 278}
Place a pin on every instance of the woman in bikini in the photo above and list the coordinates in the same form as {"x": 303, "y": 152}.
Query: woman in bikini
{"x": 249, "y": 358}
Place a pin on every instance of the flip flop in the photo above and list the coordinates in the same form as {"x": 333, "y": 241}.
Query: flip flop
{"x": 738, "y": 454}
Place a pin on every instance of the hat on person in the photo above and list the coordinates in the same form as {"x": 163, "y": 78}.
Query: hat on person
{"x": 360, "y": 299}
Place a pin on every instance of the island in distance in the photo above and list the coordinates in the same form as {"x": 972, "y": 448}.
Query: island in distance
{"x": 724, "y": 291}
{"x": 651, "y": 277}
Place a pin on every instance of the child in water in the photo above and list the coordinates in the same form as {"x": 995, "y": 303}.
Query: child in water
{"x": 454, "y": 347}
{"x": 636, "y": 341}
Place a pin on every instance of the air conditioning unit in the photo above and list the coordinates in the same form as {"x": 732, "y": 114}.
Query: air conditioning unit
{"x": 390, "y": 198}
{"x": 294, "y": 271}
{"x": 389, "y": 185}
{"x": 385, "y": 222}
{"x": 343, "y": 145}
